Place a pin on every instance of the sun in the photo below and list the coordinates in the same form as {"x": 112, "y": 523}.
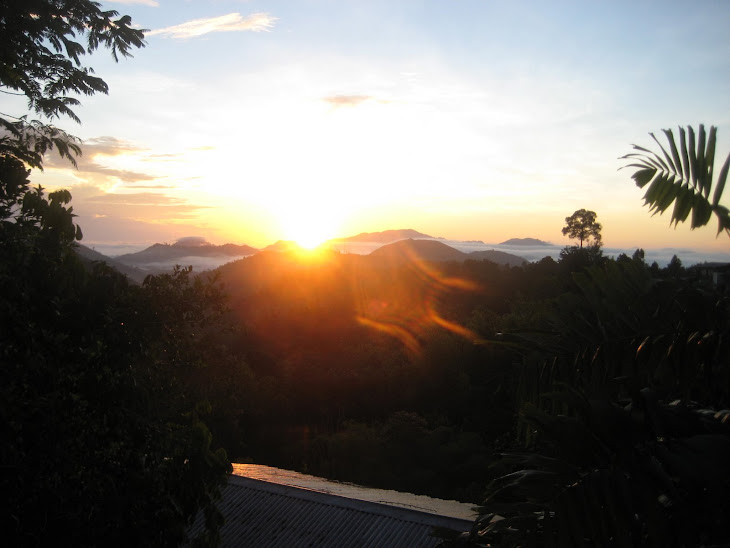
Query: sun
{"x": 310, "y": 222}
{"x": 333, "y": 165}
{"x": 311, "y": 238}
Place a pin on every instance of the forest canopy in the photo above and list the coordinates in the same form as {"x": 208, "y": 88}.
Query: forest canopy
{"x": 103, "y": 440}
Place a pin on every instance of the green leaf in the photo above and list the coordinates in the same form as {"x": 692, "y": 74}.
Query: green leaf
{"x": 673, "y": 147}
{"x": 709, "y": 161}
{"x": 693, "y": 158}
{"x": 701, "y": 211}
{"x": 701, "y": 160}
{"x": 670, "y": 164}
{"x": 668, "y": 195}
{"x": 721, "y": 180}
{"x": 654, "y": 191}
{"x": 682, "y": 205}
{"x": 643, "y": 176}
{"x": 683, "y": 176}
{"x": 685, "y": 155}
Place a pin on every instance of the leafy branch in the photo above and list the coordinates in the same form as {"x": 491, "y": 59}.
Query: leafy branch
{"x": 40, "y": 58}
{"x": 683, "y": 176}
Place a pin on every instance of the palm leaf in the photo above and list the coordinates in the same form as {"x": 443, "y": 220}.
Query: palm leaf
{"x": 683, "y": 175}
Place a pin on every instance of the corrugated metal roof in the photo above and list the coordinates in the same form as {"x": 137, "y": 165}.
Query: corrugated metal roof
{"x": 389, "y": 497}
{"x": 264, "y": 514}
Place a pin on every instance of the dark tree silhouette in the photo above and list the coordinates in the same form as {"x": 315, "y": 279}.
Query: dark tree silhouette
{"x": 40, "y": 59}
{"x": 101, "y": 437}
{"x": 583, "y": 226}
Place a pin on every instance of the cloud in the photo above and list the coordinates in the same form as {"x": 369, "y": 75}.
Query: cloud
{"x": 140, "y": 206}
{"x": 136, "y": 199}
{"x": 151, "y": 3}
{"x": 347, "y": 100}
{"x": 191, "y": 241}
{"x": 110, "y": 146}
{"x": 256, "y": 22}
{"x": 103, "y": 146}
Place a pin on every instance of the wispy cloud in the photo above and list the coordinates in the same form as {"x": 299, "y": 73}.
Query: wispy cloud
{"x": 107, "y": 145}
{"x": 136, "y": 199}
{"x": 233, "y": 22}
{"x": 149, "y": 187}
{"x": 141, "y": 206}
{"x": 92, "y": 149}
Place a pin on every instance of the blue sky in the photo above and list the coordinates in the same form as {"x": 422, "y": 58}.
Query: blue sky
{"x": 252, "y": 121}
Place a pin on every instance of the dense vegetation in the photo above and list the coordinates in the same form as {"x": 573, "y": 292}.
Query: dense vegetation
{"x": 588, "y": 393}
{"x": 624, "y": 406}
{"x": 414, "y": 376}
{"x": 102, "y": 437}
{"x": 101, "y": 428}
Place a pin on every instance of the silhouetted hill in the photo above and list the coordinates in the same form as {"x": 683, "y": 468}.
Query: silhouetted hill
{"x": 184, "y": 248}
{"x": 89, "y": 255}
{"x": 283, "y": 245}
{"x": 385, "y": 236}
{"x": 431, "y": 250}
{"x": 421, "y": 250}
{"x": 525, "y": 242}
{"x": 499, "y": 257}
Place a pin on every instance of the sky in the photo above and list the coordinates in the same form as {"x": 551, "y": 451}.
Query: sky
{"x": 254, "y": 121}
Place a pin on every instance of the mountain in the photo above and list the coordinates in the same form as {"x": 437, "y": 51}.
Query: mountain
{"x": 525, "y": 242}
{"x": 182, "y": 249}
{"x": 89, "y": 256}
{"x": 431, "y": 250}
{"x": 283, "y": 245}
{"x": 422, "y": 250}
{"x": 385, "y": 237}
{"x": 192, "y": 251}
{"x": 499, "y": 257}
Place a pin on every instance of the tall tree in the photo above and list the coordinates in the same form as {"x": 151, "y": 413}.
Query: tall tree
{"x": 583, "y": 225}
{"x": 100, "y": 437}
{"x": 683, "y": 176}
{"x": 40, "y": 59}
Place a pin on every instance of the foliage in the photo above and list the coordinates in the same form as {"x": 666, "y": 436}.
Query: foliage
{"x": 577, "y": 259}
{"x": 620, "y": 393}
{"x": 103, "y": 437}
{"x": 406, "y": 453}
{"x": 41, "y": 60}
{"x": 647, "y": 474}
{"x": 103, "y": 440}
{"x": 683, "y": 177}
{"x": 583, "y": 225}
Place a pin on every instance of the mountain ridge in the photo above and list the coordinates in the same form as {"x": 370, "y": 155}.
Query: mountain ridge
{"x": 202, "y": 255}
{"x": 158, "y": 253}
{"x": 435, "y": 251}
{"x": 89, "y": 256}
{"x": 525, "y": 242}
{"x": 385, "y": 236}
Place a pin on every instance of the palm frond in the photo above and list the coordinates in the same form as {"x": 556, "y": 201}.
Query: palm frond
{"x": 683, "y": 175}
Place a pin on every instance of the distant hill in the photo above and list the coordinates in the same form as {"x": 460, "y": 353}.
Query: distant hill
{"x": 385, "y": 237}
{"x": 184, "y": 248}
{"x": 423, "y": 250}
{"x": 431, "y": 250}
{"x": 283, "y": 245}
{"x": 499, "y": 257}
{"x": 525, "y": 241}
{"x": 89, "y": 255}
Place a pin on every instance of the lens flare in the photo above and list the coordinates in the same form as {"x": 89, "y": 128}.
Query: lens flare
{"x": 411, "y": 313}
